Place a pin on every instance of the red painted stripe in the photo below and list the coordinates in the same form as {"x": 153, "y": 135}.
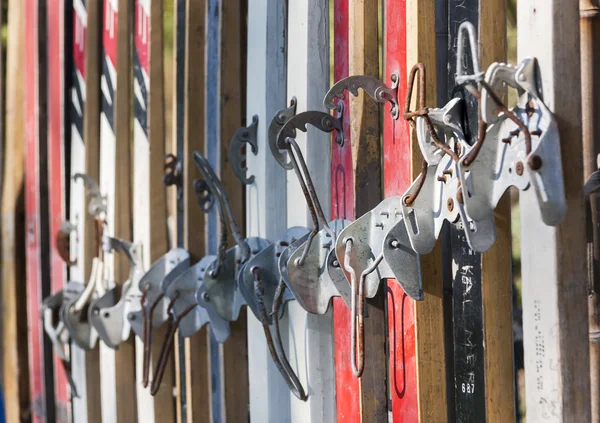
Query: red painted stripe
{"x": 342, "y": 206}
{"x": 32, "y": 214}
{"x": 79, "y": 35}
{"x": 142, "y": 34}
{"x": 55, "y": 46}
{"x": 397, "y": 178}
{"x": 109, "y": 36}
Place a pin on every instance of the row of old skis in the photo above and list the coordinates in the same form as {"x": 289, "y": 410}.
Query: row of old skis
{"x": 336, "y": 258}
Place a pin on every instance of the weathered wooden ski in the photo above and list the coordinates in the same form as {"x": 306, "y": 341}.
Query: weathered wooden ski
{"x": 355, "y": 189}
{"x": 84, "y": 152}
{"x": 56, "y": 115}
{"x": 311, "y": 349}
{"x": 481, "y": 283}
{"x": 14, "y": 322}
{"x": 555, "y": 318}
{"x": 265, "y": 206}
{"x": 149, "y": 199}
{"x": 118, "y": 367}
{"x": 41, "y": 376}
{"x": 225, "y": 78}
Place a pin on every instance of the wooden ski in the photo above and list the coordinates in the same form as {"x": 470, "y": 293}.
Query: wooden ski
{"x": 41, "y": 377}
{"x": 14, "y": 322}
{"x": 356, "y": 188}
{"x": 182, "y": 345}
{"x": 193, "y": 223}
{"x": 56, "y": 115}
{"x": 266, "y": 213}
{"x": 417, "y": 359}
{"x": 311, "y": 349}
{"x": 118, "y": 367}
{"x": 482, "y": 286}
{"x": 555, "y": 319}
{"x": 84, "y": 152}
{"x": 225, "y": 78}
{"x": 149, "y": 199}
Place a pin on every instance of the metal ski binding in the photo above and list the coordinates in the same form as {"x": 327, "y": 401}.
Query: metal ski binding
{"x": 108, "y": 314}
{"x": 373, "y": 87}
{"x": 186, "y": 315}
{"x": 58, "y": 333}
{"x": 243, "y": 136}
{"x": 97, "y": 206}
{"x": 154, "y": 306}
{"x": 173, "y": 173}
{"x": 435, "y": 195}
{"x": 74, "y": 312}
{"x": 221, "y": 287}
{"x": 309, "y": 266}
{"x": 521, "y": 148}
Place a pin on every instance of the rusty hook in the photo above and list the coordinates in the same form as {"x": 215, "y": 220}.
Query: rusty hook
{"x": 279, "y": 357}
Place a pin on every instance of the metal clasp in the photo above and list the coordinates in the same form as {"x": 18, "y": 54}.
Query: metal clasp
{"x": 243, "y": 136}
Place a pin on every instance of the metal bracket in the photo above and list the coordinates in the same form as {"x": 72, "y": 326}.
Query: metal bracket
{"x": 376, "y": 89}
{"x": 447, "y": 120}
{"x": 321, "y": 120}
{"x": 504, "y": 159}
{"x": 76, "y": 321}
{"x": 317, "y": 278}
{"x": 173, "y": 174}
{"x": 243, "y": 136}
{"x": 97, "y": 206}
{"x": 161, "y": 274}
{"x": 267, "y": 261}
{"x": 108, "y": 314}
{"x": 280, "y": 118}
{"x": 441, "y": 199}
{"x": 183, "y": 292}
{"x": 368, "y": 235}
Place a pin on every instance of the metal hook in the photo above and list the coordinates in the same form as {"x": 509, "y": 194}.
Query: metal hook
{"x": 358, "y": 315}
{"x": 243, "y": 136}
{"x": 374, "y": 88}
{"x": 467, "y": 30}
{"x": 173, "y": 173}
{"x": 279, "y": 357}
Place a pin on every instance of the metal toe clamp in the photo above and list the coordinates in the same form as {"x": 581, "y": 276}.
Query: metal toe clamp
{"x": 108, "y": 314}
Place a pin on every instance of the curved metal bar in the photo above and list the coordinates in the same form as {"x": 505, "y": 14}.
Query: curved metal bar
{"x": 217, "y": 189}
{"x": 467, "y": 30}
{"x": 321, "y": 120}
{"x": 244, "y": 135}
{"x": 280, "y": 118}
{"x": 358, "y": 310}
{"x": 282, "y": 362}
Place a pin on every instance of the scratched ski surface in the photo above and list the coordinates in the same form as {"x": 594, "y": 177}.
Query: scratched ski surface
{"x": 555, "y": 318}
{"x": 311, "y": 336}
{"x": 118, "y": 367}
{"x": 265, "y": 215}
{"x": 56, "y": 36}
{"x": 41, "y": 385}
{"x": 84, "y": 118}
{"x": 478, "y": 348}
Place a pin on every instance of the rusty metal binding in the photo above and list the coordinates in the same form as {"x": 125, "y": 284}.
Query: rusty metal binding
{"x": 223, "y": 281}
{"x": 309, "y": 262}
{"x": 276, "y": 350}
{"x": 244, "y": 135}
{"x": 373, "y": 87}
{"x": 153, "y": 311}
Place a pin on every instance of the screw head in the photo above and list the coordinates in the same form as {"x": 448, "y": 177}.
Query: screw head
{"x": 131, "y": 316}
{"x": 205, "y": 296}
{"x": 335, "y": 263}
{"x": 450, "y": 204}
{"x": 535, "y": 162}
{"x": 519, "y": 168}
